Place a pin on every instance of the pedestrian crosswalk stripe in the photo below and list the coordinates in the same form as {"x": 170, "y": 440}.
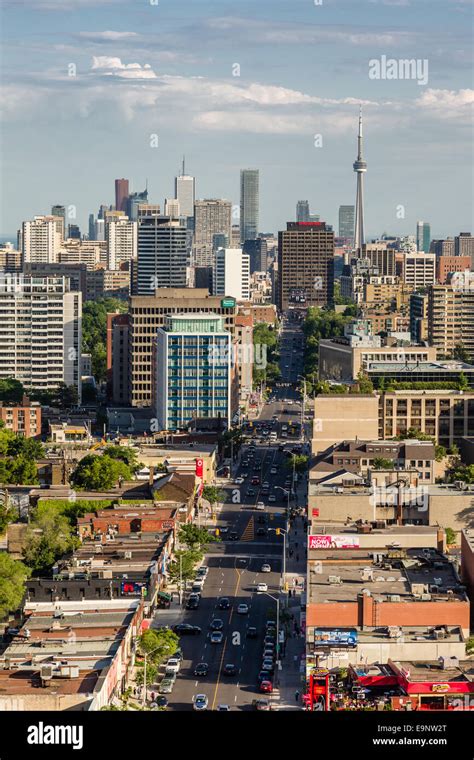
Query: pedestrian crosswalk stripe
{"x": 249, "y": 532}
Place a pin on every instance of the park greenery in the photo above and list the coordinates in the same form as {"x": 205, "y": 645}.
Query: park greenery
{"x": 13, "y": 575}
{"x": 94, "y": 331}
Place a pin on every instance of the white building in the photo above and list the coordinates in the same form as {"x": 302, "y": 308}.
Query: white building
{"x": 185, "y": 194}
{"x": 172, "y": 208}
{"x": 211, "y": 217}
{"x": 419, "y": 269}
{"x": 40, "y": 332}
{"x": 231, "y": 274}
{"x": 41, "y": 239}
{"x": 121, "y": 235}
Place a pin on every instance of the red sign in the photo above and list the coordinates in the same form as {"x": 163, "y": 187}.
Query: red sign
{"x": 315, "y": 512}
{"x": 199, "y": 468}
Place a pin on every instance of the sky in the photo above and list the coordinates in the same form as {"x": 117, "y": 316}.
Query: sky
{"x": 94, "y": 90}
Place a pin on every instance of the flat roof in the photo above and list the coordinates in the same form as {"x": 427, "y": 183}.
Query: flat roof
{"x": 430, "y": 670}
{"x": 27, "y": 682}
{"x": 411, "y": 367}
{"x": 389, "y": 531}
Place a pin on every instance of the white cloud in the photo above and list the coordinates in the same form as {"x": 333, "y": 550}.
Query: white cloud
{"x": 114, "y": 67}
{"x": 448, "y": 104}
{"x": 108, "y": 36}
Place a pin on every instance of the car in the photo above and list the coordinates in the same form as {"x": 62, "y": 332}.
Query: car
{"x": 238, "y": 481}
{"x": 183, "y": 629}
{"x": 203, "y": 570}
{"x": 216, "y": 625}
{"x": 161, "y": 702}
{"x": 251, "y": 492}
{"x": 261, "y": 531}
{"x": 201, "y": 669}
{"x": 273, "y": 471}
{"x": 223, "y": 708}
{"x": 269, "y": 639}
{"x": 223, "y": 531}
{"x": 266, "y": 568}
{"x": 261, "y": 704}
{"x": 260, "y": 505}
{"x": 271, "y": 624}
{"x": 266, "y": 484}
{"x": 268, "y": 665}
{"x": 243, "y": 609}
{"x": 289, "y": 402}
{"x": 230, "y": 669}
{"x": 224, "y": 603}
{"x": 198, "y": 583}
{"x": 233, "y": 535}
{"x": 192, "y": 604}
{"x": 173, "y": 665}
{"x": 244, "y": 475}
{"x": 262, "y": 676}
{"x": 261, "y": 588}
{"x": 166, "y": 686}
{"x": 272, "y": 498}
{"x": 268, "y": 653}
{"x": 255, "y": 480}
{"x": 217, "y": 637}
{"x": 252, "y": 632}
{"x": 266, "y": 687}
{"x": 200, "y": 702}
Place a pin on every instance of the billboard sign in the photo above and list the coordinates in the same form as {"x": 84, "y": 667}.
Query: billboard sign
{"x": 333, "y": 541}
{"x": 228, "y": 303}
{"x": 339, "y": 637}
{"x": 199, "y": 468}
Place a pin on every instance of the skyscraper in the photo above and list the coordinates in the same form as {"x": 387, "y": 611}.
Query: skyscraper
{"x": 302, "y": 211}
{"x": 161, "y": 258}
{"x": 185, "y": 192}
{"x": 172, "y": 208}
{"x": 249, "y": 204}
{"x": 121, "y": 195}
{"x": 121, "y": 237}
{"x": 346, "y": 222}
{"x": 231, "y": 276}
{"x": 305, "y": 265}
{"x": 360, "y": 167}
{"x": 135, "y": 200}
{"x": 423, "y": 236}
{"x": 211, "y": 217}
{"x": 91, "y": 227}
{"x": 258, "y": 252}
{"x": 61, "y": 212}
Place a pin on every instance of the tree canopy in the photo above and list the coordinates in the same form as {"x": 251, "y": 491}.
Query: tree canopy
{"x": 13, "y": 575}
{"x": 49, "y": 536}
{"x": 100, "y": 472}
{"x": 94, "y": 331}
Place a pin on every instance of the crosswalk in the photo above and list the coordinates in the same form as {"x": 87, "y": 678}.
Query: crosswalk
{"x": 249, "y": 530}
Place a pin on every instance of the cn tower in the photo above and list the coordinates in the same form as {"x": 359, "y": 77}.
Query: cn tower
{"x": 360, "y": 167}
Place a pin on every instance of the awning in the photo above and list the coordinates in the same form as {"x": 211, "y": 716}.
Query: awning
{"x": 165, "y": 596}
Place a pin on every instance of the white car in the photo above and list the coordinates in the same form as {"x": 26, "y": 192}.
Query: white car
{"x": 262, "y": 587}
{"x": 266, "y": 568}
{"x": 243, "y": 609}
{"x": 289, "y": 402}
{"x": 260, "y": 505}
{"x": 173, "y": 665}
{"x": 238, "y": 481}
{"x": 272, "y": 498}
{"x": 273, "y": 470}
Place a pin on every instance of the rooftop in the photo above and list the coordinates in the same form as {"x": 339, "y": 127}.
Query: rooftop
{"x": 432, "y": 671}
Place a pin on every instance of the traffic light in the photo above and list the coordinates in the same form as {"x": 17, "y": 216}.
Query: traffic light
{"x": 277, "y": 531}
{"x": 217, "y": 531}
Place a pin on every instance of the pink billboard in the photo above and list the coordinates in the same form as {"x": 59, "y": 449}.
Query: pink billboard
{"x": 332, "y": 541}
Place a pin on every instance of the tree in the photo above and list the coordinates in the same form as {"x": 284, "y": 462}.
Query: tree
{"x": 382, "y": 464}
{"x": 100, "y": 473}
{"x": 298, "y": 461}
{"x": 11, "y": 390}
{"x": 48, "y": 537}
{"x": 464, "y": 472}
{"x": 124, "y": 454}
{"x": 159, "y": 644}
{"x": 463, "y": 383}
{"x": 94, "y": 331}
{"x": 13, "y": 575}
{"x": 151, "y": 673}
{"x": 182, "y": 568}
{"x": 460, "y": 353}
{"x": 365, "y": 383}
{"x": 195, "y": 537}
{"x": 450, "y": 536}
{"x": 213, "y": 495}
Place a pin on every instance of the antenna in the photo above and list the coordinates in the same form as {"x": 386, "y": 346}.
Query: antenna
{"x": 184, "y": 162}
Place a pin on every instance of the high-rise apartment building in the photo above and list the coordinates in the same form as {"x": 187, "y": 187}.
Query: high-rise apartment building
{"x": 211, "y": 217}
{"x": 442, "y": 247}
{"x": 135, "y": 200}
{"x": 41, "y": 239}
{"x": 121, "y": 195}
{"x": 423, "y": 236}
{"x": 60, "y": 211}
{"x": 451, "y": 316}
{"x": 419, "y": 269}
{"x": 185, "y": 193}
{"x": 381, "y": 258}
{"x": 302, "y": 211}
{"x": 346, "y": 222}
{"x": 121, "y": 235}
{"x": 161, "y": 258}
{"x": 193, "y": 370}
{"x": 40, "y": 332}
{"x": 258, "y": 252}
{"x": 305, "y": 265}
{"x": 249, "y": 204}
{"x": 231, "y": 276}
{"x": 419, "y": 317}
{"x": 464, "y": 246}
{"x": 147, "y": 314}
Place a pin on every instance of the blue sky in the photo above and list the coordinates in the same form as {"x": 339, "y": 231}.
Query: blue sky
{"x": 166, "y": 69}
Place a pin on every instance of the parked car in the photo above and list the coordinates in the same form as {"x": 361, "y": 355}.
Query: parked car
{"x": 166, "y": 686}
{"x": 200, "y": 702}
{"x": 173, "y": 665}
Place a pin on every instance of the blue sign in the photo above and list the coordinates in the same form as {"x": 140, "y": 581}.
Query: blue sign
{"x": 335, "y": 637}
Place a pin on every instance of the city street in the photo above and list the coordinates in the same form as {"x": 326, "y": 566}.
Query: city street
{"x": 235, "y": 563}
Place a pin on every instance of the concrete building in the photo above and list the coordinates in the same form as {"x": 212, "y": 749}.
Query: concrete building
{"x": 93, "y": 253}
{"x": 245, "y": 358}
{"x": 438, "y": 373}
{"x": 442, "y": 247}
{"x": 419, "y": 317}
{"x": 147, "y": 314}
{"x": 117, "y": 358}
{"x": 346, "y": 222}
{"x": 211, "y": 217}
{"x": 102, "y": 283}
{"x": 24, "y": 418}
{"x": 121, "y": 235}
{"x": 162, "y": 254}
{"x": 446, "y": 266}
{"x": 381, "y": 258}
{"x": 76, "y": 274}
{"x": 423, "y": 236}
{"x": 10, "y": 258}
{"x": 41, "y": 239}
{"x": 305, "y": 265}
{"x": 193, "y": 370}
{"x": 249, "y": 204}
{"x": 464, "y": 246}
{"x": 419, "y": 270}
{"x": 451, "y": 315}
{"x": 172, "y": 208}
{"x": 121, "y": 195}
{"x": 40, "y": 332}
{"x": 231, "y": 276}
{"x": 185, "y": 188}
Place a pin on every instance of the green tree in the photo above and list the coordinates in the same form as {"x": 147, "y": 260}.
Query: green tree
{"x": 383, "y": 464}
{"x": 463, "y": 383}
{"x": 159, "y": 644}
{"x": 365, "y": 383}
{"x": 13, "y": 575}
{"x": 94, "y": 331}
{"x": 213, "y": 495}
{"x": 183, "y": 567}
{"x": 460, "y": 353}
{"x": 151, "y": 674}
{"x": 450, "y": 536}
{"x": 11, "y": 390}
{"x": 100, "y": 473}
{"x": 49, "y": 536}
{"x": 298, "y": 461}
{"x": 124, "y": 454}
{"x": 463, "y": 472}
{"x": 195, "y": 537}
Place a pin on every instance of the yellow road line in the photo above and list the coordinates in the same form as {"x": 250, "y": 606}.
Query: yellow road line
{"x": 225, "y": 643}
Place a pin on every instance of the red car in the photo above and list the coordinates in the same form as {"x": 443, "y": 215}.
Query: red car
{"x": 266, "y": 687}
{"x": 255, "y": 480}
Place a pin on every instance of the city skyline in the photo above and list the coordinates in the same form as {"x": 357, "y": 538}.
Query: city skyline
{"x": 111, "y": 85}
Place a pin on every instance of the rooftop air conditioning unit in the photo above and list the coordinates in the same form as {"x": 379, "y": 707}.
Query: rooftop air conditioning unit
{"x": 333, "y": 579}
{"x": 460, "y": 485}
{"x": 127, "y": 555}
{"x": 426, "y": 597}
{"x": 46, "y": 672}
{"x": 395, "y": 598}
{"x": 439, "y": 634}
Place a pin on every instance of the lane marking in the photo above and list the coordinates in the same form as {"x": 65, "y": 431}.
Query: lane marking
{"x": 225, "y": 642}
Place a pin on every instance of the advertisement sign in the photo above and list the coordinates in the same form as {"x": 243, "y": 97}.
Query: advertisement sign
{"x": 315, "y": 512}
{"x": 199, "y": 468}
{"x": 332, "y": 541}
{"x": 440, "y": 687}
{"x": 335, "y": 637}
{"x": 130, "y": 587}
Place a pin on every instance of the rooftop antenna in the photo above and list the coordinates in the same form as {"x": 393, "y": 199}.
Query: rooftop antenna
{"x": 184, "y": 160}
